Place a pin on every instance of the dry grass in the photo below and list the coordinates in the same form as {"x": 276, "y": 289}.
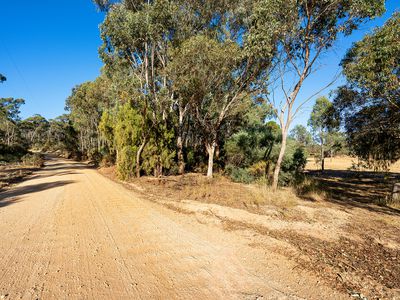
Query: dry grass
{"x": 284, "y": 198}
{"x": 342, "y": 163}
{"x": 218, "y": 190}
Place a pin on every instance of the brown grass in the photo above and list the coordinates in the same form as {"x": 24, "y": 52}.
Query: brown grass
{"x": 342, "y": 163}
{"x": 218, "y": 190}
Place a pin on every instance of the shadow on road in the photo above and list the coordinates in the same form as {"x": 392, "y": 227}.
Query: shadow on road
{"x": 13, "y": 195}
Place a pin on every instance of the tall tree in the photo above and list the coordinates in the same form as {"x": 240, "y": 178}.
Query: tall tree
{"x": 140, "y": 38}
{"x": 62, "y": 135}
{"x": 369, "y": 104}
{"x": 137, "y": 35}
{"x": 86, "y": 104}
{"x": 296, "y": 33}
{"x": 215, "y": 78}
{"x": 34, "y": 130}
{"x": 9, "y": 117}
{"x": 317, "y": 122}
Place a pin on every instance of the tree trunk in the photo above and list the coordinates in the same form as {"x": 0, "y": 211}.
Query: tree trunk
{"x": 179, "y": 143}
{"x": 181, "y": 162}
{"x": 211, "y": 151}
{"x": 322, "y": 158}
{"x": 267, "y": 160}
{"x": 279, "y": 162}
{"x": 138, "y": 155}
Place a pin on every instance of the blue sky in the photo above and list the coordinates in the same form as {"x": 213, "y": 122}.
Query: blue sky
{"x": 48, "y": 46}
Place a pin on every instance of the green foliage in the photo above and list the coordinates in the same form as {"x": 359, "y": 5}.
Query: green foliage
{"x": 298, "y": 25}
{"x": 252, "y": 144}
{"x": 9, "y": 108}
{"x": 86, "y": 105}
{"x": 369, "y": 103}
{"x": 12, "y": 153}
{"x": 204, "y": 71}
{"x": 293, "y": 34}
{"x": 159, "y": 152}
{"x": 318, "y": 115}
{"x": 9, "y": 118}
{"x": 293, "y": 165}
{"x": 128, "y": 130}
{"x": 252, "y": 152}
{"x": 301, "y": 135}
{"x": 35, "y": 131}
{"x": 325, "y": 130}
{"x": 239, "y": 174}
{"x": 371, "y": 66}
{"x": 63, "y": 137}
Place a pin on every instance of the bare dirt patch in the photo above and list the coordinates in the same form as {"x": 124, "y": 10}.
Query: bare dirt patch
{"x": 358, "y": 268}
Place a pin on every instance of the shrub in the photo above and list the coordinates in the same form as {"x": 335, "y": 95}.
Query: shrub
{"x": 33, "y": 159}
{"x": 258, "y": 169}
{"x": 12, "y": 153}
{"x": 126, "y": 162}
{"x": 292, "y": 168}
{"x": 239, "y": 174}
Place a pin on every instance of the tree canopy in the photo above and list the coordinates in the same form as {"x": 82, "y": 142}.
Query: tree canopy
{"x": 369, "y": 104}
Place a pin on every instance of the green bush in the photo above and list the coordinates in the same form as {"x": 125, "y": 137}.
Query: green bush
{"x": 12, "y": 153}
{"x": 33, "y": 159}
{"x": 239, "y": 174}
{"x": 292, "y": 167}
{"x": 126, "y": 162}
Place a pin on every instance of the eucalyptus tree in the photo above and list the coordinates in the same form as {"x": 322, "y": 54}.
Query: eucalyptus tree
{"x": 317, "y": 122}
{"x": 61, "y": 135}
{"x": 369, "y": 103}
{"x": 295, "y": 33}
{"x": 137, "y": 36}
{"x": 86, "y": 104}
{"x": 34, "y": 130}
{"x": 214, "y": 77}
{"x": 9, "y": 118}
{"x": 142, "y": 38}
{"x": 301, "y": 135}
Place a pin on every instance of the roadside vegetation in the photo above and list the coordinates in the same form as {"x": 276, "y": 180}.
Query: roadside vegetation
{"x": 211, "y": 88}
{"x": 190, "y": 87}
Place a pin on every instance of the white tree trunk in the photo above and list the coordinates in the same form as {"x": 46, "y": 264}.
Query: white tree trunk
{"x": 211, "y": 151}
{"x": 277, "y": 170}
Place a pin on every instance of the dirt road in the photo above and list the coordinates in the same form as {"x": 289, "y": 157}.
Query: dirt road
{"x": 70, "y": 233}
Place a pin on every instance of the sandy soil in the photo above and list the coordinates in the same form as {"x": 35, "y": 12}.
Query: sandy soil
{"x": 70, "y": 233}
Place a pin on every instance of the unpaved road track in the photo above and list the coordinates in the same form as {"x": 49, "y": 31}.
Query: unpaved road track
{"x": 70, "y": 233}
